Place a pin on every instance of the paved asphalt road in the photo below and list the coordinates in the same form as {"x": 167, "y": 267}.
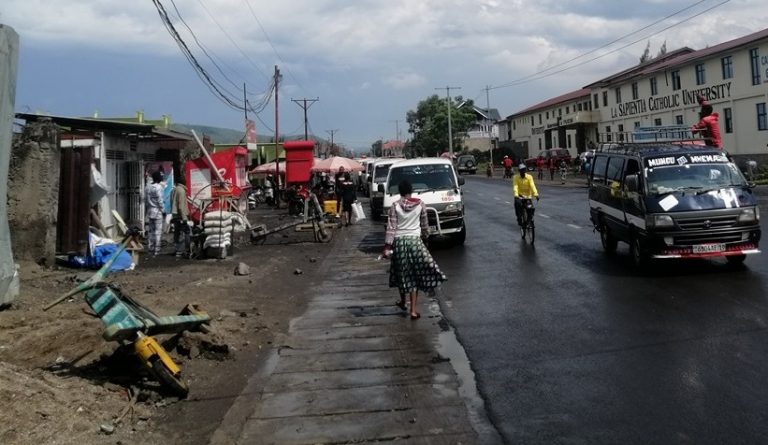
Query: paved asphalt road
{"x": 572, "y": 346}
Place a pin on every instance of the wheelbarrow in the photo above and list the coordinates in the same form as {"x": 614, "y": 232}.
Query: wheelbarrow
{"x": 128, "y": 322}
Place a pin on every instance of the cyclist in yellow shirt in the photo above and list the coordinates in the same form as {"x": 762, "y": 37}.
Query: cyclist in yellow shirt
{"x": 523, "y": 188}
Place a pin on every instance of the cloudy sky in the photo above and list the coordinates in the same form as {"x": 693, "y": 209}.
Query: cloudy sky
{"x": 368, "y": 61}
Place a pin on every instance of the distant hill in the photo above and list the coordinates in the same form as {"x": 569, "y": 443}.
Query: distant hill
{"x": 221, "y": 135}
{"x": 218, "y": 135}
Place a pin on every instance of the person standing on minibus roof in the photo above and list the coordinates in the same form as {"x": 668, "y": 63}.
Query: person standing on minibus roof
{"x": 708, "y": 126}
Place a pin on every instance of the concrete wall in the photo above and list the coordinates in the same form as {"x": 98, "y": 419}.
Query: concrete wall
{"x": 9, "y": 49}
{"x": 33, "y": 192}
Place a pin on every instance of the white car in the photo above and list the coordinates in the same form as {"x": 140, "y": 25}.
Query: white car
{"x": 437, "y": 184}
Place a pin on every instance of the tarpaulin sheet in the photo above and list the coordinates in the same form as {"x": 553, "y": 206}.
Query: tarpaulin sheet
{"x": 9, "y": 49}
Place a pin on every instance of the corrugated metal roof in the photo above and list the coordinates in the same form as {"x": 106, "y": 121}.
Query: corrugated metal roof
{"x": 77, "y": 123}
{"x": 573, "y": 95}
{"x": 681, "y": 57}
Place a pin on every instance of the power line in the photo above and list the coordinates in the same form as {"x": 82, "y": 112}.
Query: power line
{"x": 538, "y": 75}
{"x": 264, "y": 31}
{"x": 199, "y": 70}
{"x": 231, "y": 39}
{"x": 305, "y": 107}
{"x": 200, "y": 45}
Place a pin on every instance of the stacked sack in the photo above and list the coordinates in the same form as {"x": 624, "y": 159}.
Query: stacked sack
{"x": 218, "y": 226}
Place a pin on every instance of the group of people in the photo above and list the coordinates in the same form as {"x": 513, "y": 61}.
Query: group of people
{"x": 155, "y": 215}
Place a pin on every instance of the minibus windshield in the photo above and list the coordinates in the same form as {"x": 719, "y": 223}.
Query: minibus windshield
{"x": 380, "y": 175}
{"x": 696, "y": 177}
{"x": 424, "y": 177}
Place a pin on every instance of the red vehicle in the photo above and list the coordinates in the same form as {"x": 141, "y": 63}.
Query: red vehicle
{"x": 559, "y": 154}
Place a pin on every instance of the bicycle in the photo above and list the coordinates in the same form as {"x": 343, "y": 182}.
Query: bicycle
{"x": 527, "y": 228}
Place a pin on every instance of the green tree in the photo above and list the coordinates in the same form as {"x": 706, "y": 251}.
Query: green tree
{"x": 429, "y": 125}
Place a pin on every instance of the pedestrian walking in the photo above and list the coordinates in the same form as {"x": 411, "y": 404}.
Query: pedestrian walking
{"x": 338, "y": 180}
{"x": 412, "y": 267}
{"x": 552, "y": 166}
{"x": 180, "y": 217}
{"x": 153, "y": 203}
{"x": 348, "y": 196}
{"x": 540, "y": 164}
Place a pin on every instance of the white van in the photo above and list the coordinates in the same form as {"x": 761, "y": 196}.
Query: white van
{"x": 437, "y": 184}
{"x": 379, "y": 171}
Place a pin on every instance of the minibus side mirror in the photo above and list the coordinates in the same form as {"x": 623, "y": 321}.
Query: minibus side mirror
{"x": 380, "y": 189}
{"x": 461, "y": 181}
{"x": 632, "y": 182}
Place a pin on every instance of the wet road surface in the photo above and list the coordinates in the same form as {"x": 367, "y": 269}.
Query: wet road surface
{"x": 572, "y": 346}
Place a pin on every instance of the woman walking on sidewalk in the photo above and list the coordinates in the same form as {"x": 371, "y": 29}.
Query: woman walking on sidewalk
{"x": 412, "y": 268}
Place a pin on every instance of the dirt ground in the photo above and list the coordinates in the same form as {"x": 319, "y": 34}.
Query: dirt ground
{"x": 61, "y": 383}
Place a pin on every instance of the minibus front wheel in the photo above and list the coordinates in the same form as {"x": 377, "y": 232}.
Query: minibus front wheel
{"x": 639, "y": 257}
{"x": 607, "y": 240}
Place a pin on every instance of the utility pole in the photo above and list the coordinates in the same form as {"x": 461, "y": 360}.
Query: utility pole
{"x": 397, "y": 129}
{"x": 397, "y": 151}
{"x": 331, "y": 132}
{"x": 490, "y": 134}
{"x": 277, "y": 139}
{"x": 450, "y": 132}
{"x": 305, "y": 107}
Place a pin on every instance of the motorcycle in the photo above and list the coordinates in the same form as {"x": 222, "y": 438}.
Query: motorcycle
{"x": 255, "y": 197}
{"x": 297, "y": 197}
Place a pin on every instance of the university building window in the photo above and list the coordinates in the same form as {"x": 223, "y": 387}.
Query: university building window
{"x": 597, "y": 103}
{"x": 618, "y": 96}
{"x": 728, "y": 120}
{"x": 635, "y": 94}
{"x": 762, "y": 118}
{"x": 657, "y": 122}
{"x": 727, "y": 64}
{"x": 621, "y": 132}
{"x": 701, "y": 74}
{"x": 676, "y": 85}
{"x": 654, "y": 86}
{"x": 679, "y": 119}
{"x": 754, "y": 59}
{"x": 605, "y": 98}
{"x": 608, "y": 137}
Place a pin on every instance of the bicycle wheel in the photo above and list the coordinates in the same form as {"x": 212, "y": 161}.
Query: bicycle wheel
{"x": 531, "y": 232}
{"x": 524, "y": 226}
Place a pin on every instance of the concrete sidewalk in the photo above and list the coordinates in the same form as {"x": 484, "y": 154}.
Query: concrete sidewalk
{"x": 355, "y": 369}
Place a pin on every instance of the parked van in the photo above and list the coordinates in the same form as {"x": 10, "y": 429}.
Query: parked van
{"x": 367, "y": 175}
{"x": 437, "y": 184}
{"x": 672, "y": 200}
{"x": 379, "y": 171}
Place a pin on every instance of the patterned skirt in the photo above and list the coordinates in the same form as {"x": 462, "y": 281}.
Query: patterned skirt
{"x": 412, "y": 266}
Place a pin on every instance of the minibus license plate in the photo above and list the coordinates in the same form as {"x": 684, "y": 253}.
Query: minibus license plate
{"x": 709, "y": 248}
